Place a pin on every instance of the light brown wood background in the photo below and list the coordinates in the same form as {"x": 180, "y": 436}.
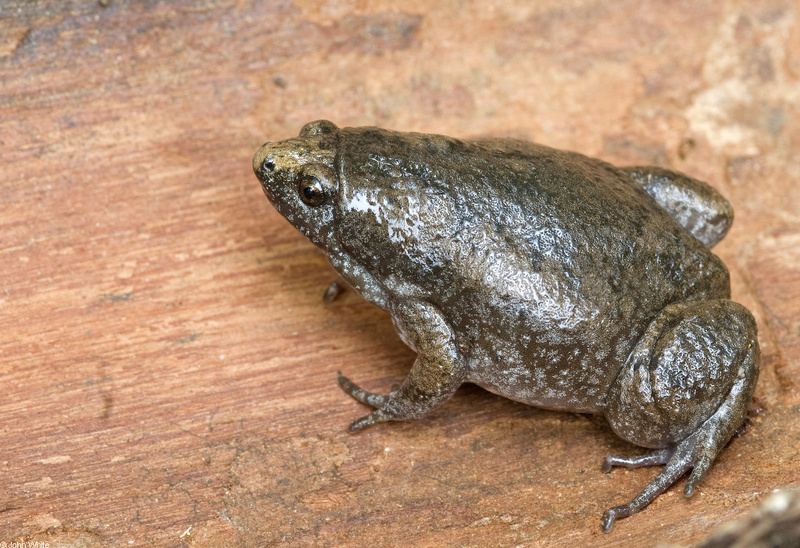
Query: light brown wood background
{"x": 167, "y": 366}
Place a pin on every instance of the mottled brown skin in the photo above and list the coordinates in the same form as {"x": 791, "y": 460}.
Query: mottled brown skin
{"x": 550, "y": 278}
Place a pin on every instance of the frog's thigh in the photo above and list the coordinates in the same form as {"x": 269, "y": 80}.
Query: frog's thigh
{"x": 693, "y": 204}
{"x": 681, "y": 371}
{"x": 436, "y": 374}
{"x": 684, "y": 389}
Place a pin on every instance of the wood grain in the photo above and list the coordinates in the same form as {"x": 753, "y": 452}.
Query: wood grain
{"x": 167, "y": 363}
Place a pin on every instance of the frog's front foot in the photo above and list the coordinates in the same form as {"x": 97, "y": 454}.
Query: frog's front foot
{"x": 683, "y": 390}
{"x": 378, "y": 401}
{"x": 402, "y": 403}
{"x": 332, "y": 292}
{"x": 437, "y": 372}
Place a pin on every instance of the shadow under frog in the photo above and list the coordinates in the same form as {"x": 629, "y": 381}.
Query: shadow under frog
{"x": 545, "y": 276}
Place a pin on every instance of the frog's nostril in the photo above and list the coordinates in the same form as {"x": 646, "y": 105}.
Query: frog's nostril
{"x": 268, "y": 165}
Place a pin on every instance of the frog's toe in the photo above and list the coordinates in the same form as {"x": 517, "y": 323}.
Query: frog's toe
{"x": 378, "y": 401}
{"x": 368, "y": 398}
{"x": 702, "y": 466}
{"x": 659, "y": 456}
{"x": 333, "y": 291}
{"x": 379, "y": 415}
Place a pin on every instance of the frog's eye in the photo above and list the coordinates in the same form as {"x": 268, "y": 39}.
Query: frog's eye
{"x": 311, "y": 191}
{"x": 315, "y": 186}
{"x": 268, "y": 165}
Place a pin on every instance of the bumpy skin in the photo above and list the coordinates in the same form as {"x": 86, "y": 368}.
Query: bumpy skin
{"x": 547, "y": 277}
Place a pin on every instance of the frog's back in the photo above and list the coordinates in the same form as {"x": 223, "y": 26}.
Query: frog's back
{"x": 548, "y": 263}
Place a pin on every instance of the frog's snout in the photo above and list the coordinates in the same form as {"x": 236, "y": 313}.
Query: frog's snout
{"x": 262, "y": 162}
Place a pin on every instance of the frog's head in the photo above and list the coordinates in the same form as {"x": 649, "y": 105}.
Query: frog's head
{"x": 300, "y": 179}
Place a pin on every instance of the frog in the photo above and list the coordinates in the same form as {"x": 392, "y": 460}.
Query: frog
{"x": 541, "y": 275}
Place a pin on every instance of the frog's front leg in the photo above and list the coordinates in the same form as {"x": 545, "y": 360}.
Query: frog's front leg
{"x": 683, "y": 391}
{"x": 693, "y": 204}
{"x": 435, "y": 376}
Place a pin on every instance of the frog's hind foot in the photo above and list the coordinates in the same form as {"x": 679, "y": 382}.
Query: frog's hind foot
{"x": 684, "y": 390}
{"x": 690, "y": 454}
{"x": 669, "y": 475}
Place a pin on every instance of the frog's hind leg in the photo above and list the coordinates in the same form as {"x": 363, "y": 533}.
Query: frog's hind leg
{"x": 696, "y": 206}
{"x": 684, "y": 390}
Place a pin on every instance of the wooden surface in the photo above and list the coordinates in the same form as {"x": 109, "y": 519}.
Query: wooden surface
{"x": 166, "y": 362}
